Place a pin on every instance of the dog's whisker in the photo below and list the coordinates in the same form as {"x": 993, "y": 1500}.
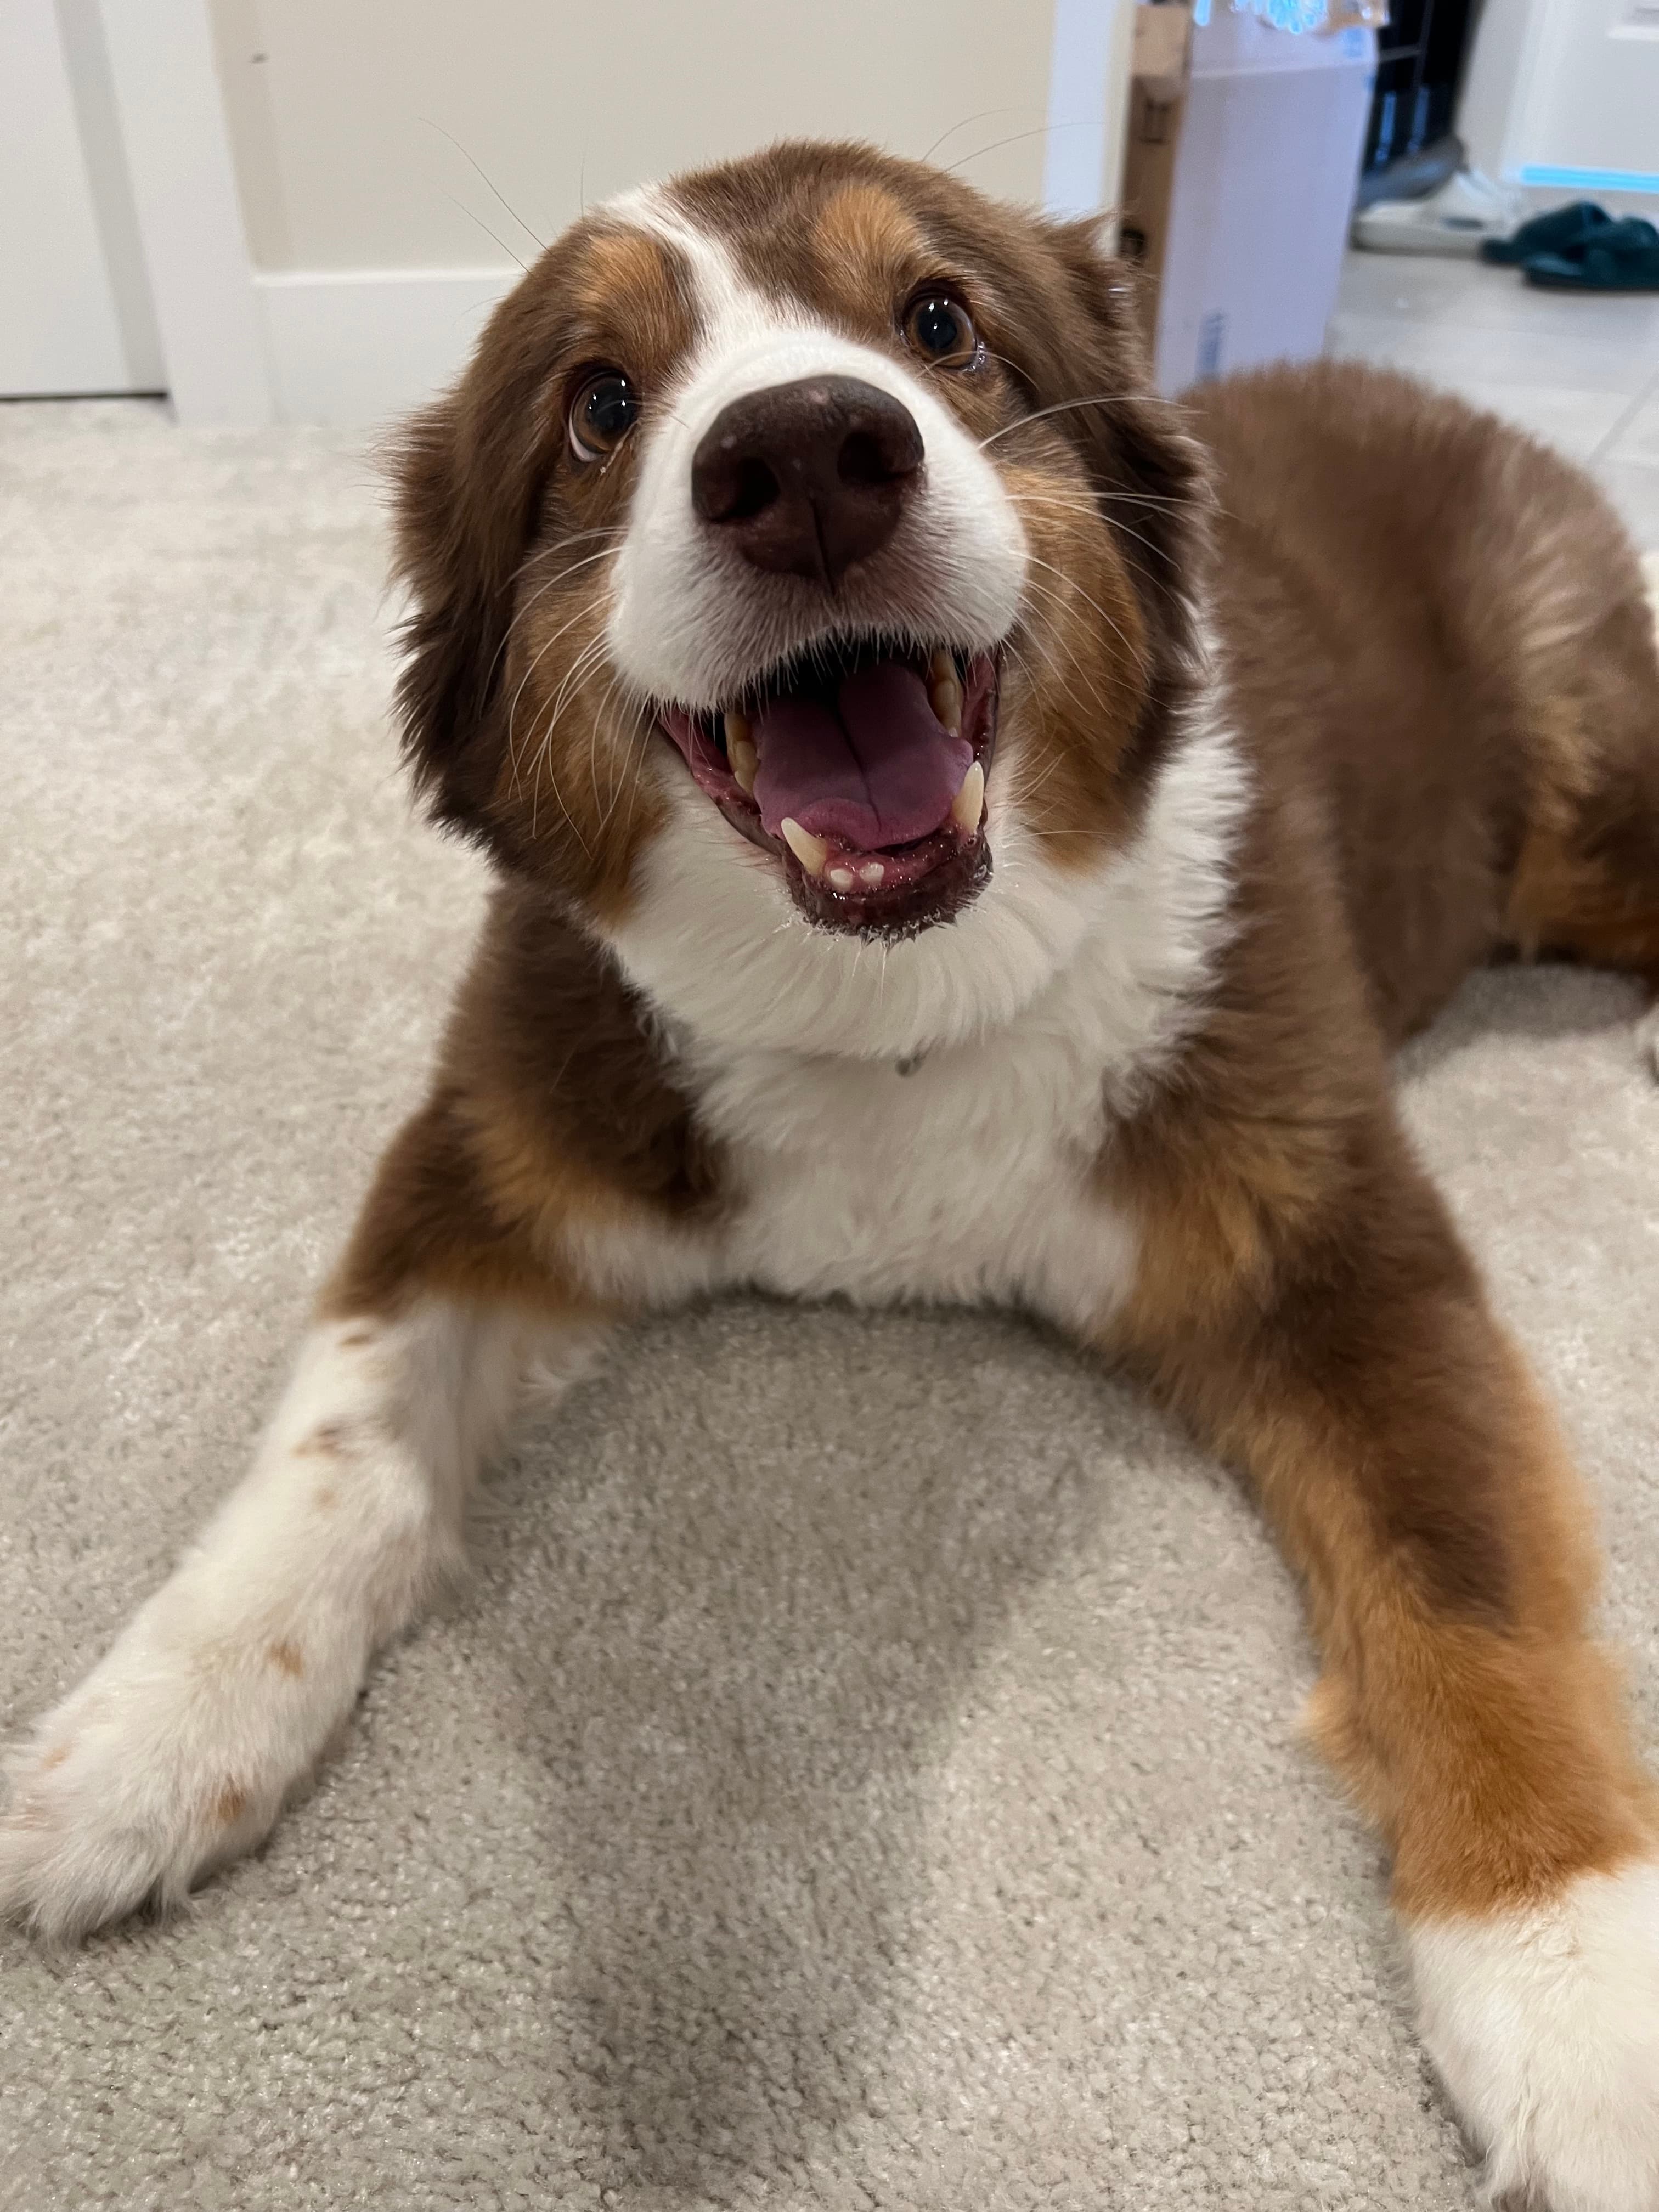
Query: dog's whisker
{"x": 1068, "y": 407}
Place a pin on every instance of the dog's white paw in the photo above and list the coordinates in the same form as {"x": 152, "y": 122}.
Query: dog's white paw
{"x": 171, "y": 1758}
{"x": 1544, "y": 2027}
{"x": 177, "y": 1752}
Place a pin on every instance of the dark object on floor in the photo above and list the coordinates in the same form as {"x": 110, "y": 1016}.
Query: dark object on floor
{"x": 1561, "y": 231}
{"x": 1623, "y": 258}
{"x": 1421, "y": 55}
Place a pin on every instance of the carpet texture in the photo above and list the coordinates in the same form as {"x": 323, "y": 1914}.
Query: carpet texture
{"x": 771, "y": 1820}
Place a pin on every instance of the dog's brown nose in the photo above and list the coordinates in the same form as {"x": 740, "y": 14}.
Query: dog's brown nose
{"x": 806, "y": 478}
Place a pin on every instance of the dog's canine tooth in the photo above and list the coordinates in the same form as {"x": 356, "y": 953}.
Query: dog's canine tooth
{"x": 741, "y": 755}
{"x": 941, "y": 666}
{"x": 811, "y": 851}
{"x": 944, "y": 695}
{"x": 969, "y": 802}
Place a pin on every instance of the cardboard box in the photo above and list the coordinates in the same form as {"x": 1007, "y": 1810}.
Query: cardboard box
{"x": 1238, "y": 194}
{"x": 1148, "y": 184}
{"x": 1162, "y": 65}
{"x": 1163, "y": 49}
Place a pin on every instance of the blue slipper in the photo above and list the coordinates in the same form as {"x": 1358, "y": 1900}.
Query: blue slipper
{"x": 1623, "y": 258}
{"x": 1560, "y": 231}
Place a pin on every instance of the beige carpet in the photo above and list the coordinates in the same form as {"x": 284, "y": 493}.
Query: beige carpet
{"x": 775, "y": 1821}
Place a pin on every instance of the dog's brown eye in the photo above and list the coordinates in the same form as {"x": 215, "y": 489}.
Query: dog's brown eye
{"x": 601, "y": 415}
{"x": 941, "y": 331}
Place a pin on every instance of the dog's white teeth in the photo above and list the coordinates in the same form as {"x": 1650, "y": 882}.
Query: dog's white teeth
{"x": 969, "y": 802}
{"x": 872, "y": 875}
{"x": 944, "y": 695}
{"x": 811, "y": 851}
{"x": 944, "y": 692}
{"x": 740, "y": 755}
{"x": 843, "y": 879}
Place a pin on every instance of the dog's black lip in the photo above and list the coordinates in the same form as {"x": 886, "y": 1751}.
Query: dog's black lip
{"x": 890, "y": 918}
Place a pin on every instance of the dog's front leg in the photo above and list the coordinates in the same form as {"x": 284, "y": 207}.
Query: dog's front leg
{"x": 1318, "y": 1323}
{"x": 176, "y": 1752}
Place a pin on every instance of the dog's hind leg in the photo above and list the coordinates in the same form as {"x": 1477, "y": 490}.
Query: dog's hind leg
{"x": 176, "y": 1753}
{"x": 1587, "y": 881}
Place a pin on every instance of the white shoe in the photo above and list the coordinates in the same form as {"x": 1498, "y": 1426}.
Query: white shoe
{"x": 1467, "y": 208}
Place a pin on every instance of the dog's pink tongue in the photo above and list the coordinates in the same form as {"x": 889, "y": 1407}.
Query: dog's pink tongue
{"x": 878, "y": 768}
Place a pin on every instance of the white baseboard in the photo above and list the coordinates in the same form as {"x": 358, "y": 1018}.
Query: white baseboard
{"x": 360, "y": 346}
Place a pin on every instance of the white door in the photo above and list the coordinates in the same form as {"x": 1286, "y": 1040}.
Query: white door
{"x": 75, "y": 308}
{"x": 1586, "y": 119}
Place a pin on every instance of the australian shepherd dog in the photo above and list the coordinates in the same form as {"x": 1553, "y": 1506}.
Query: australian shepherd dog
{"x": 966, "y": 829}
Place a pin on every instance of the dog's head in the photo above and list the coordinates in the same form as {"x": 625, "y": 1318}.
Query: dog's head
{"x": 800, "y": 568}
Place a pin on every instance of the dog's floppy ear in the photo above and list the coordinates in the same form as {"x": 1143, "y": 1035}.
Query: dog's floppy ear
{"x": 467, "y": 474}
{"x": 1152, "y": 479}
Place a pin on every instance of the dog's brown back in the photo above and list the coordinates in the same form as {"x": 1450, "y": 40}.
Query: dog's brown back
{"x": 1441, "y": 627}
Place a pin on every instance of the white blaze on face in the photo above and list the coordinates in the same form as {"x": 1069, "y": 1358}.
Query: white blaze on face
{"x": 691, "y": 622}
{"x": 712, "y": 937}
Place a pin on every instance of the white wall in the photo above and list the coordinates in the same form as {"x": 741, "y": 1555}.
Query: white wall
{"x": 338, "y": 108}
{"x": 305, "y": 208}
{"x": 395, "y": 158}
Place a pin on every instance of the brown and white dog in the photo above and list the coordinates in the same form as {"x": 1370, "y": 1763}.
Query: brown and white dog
{"x": 947, "y": 852}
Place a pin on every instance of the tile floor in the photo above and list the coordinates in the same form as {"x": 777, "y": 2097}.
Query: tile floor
{"x": 1584, "y": 373}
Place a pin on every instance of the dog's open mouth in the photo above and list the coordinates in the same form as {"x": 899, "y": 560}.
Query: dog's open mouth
{"x": 861, "y": 766}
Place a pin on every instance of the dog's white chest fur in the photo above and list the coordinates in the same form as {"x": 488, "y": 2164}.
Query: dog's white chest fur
{"x": 968, "y": 1178}
{"x": 971, "y": 1173}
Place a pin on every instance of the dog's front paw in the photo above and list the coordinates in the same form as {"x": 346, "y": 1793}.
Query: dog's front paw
{"x": 1544, "y": 2027}
{"x": 168, "y": 1760}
